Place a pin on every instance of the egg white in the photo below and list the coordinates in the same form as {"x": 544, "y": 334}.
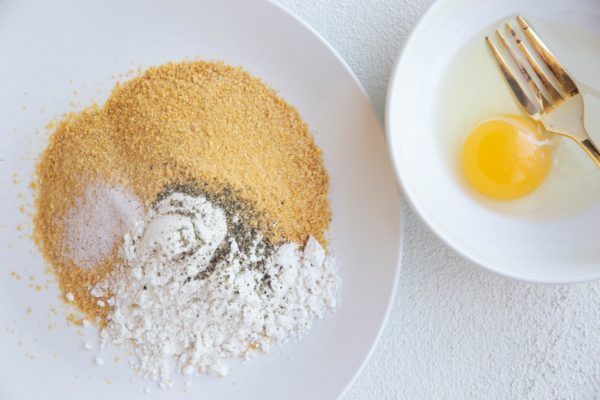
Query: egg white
{"x": 473, "y": 90}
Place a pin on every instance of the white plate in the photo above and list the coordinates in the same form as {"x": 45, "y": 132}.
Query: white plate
{"x": 563, "y": 248}
{"x": 52, "y": 48}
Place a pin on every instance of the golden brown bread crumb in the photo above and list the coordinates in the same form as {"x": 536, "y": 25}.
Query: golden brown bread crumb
{"x": 193, "y": 121}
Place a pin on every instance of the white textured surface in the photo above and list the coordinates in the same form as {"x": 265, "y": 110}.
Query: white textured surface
{"x": 455, "y": 331}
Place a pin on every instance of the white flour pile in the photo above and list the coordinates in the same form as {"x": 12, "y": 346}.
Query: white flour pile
{"x": 98, "y": 221}
{"x": 193, "y": 293}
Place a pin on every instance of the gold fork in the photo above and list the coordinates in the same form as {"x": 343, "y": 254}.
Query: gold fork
{"x": 559, "y": 109}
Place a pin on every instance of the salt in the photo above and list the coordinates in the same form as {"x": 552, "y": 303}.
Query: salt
{"x": 98, "y": 221}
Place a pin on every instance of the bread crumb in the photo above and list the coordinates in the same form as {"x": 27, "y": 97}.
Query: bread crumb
{"x": 191, "y": 121}
{"x": 75, "y": 320}
{"x": 16, "y": 276}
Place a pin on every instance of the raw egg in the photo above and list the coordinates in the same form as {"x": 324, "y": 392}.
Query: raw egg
{"x": 495, "y": 168}
{"x": 507, "y": 157}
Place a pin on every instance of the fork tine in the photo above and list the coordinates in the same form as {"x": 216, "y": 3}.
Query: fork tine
{"x": 539, "y": 96}
{"x": 554, "y": 95}
{"x": 551, "y": 61}
{"x": 526, "y": 104}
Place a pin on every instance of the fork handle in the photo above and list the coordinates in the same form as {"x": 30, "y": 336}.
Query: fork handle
{"x": 591, "y": 149}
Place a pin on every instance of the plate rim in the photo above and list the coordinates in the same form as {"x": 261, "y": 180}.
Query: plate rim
{"x": 401, "y": 219}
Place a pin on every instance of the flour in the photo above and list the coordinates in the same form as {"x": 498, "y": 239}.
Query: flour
{"x": 190, "y": 295}
{"x": 98, "y": 221}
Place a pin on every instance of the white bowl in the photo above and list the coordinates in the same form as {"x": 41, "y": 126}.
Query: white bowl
{"x": 553, "y": 249}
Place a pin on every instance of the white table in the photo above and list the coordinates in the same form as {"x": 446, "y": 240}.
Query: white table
{"x": 456, "y": 331}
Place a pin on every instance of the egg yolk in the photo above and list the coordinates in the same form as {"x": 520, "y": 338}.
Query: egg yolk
{"x": 506, "y": 158}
